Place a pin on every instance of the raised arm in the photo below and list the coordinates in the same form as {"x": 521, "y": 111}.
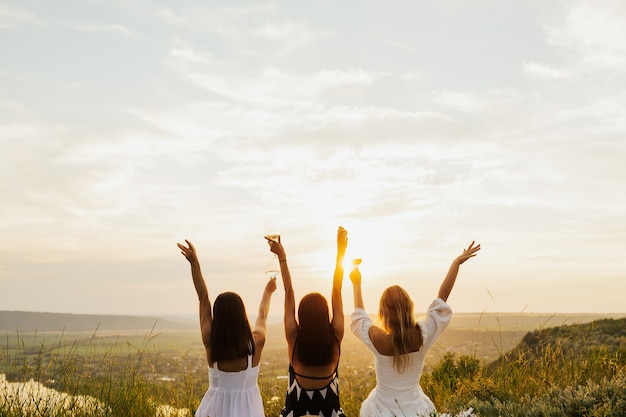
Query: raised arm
{"x": 355, "y": 277}
{"x": 450, "y": 279}
{"x": 206, "y": 317}
{"x": 291, "y": 325}
{"x": 260, "y": 326}
{"x": 336, "y": 300}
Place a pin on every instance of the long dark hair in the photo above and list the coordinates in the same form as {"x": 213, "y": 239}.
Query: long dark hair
{"x": 231, "y": 337}
{"x": 316, "y": 339}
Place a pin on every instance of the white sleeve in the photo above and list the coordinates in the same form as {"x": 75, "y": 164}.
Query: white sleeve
{"x": 437, "y": 319}
{"x": 360, "y": 325}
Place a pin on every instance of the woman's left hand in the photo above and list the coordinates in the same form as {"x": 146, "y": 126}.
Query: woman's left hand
{"x": 470, "y": 252}
{"x": 270, "y": 287}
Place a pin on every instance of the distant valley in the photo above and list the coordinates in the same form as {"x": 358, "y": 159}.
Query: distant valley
{"x": 26, "y": 321}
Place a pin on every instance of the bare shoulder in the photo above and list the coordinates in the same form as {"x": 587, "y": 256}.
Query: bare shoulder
{"x": 375, "y": 331}
{"x": 384, "y": 344}
{"x": 381, "y": 340}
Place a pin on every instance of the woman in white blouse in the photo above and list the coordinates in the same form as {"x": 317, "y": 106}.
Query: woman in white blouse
{"x": 399, "y": 344}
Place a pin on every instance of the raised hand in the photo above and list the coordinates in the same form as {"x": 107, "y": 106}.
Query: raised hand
{"x": 276, "y": 247}
{"x": 342, "y": 240}
{"x": 355, "y": 276}
{"x": 270, "y": 287}
{"x": 470, "y": 252}
{"x": 188, "y": 252}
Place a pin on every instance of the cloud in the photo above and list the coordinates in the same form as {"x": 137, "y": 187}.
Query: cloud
{"x": 74, "y": 185}
{"x": 269, "y": 86}
{"x": 266, "y": 85}
{"x": 11, "y": 18}
{"x": 399, "y": 45}
{"x": 213, "y": 119}
{"x": 288, "y": 36}
{"x": 593, "y": 33}
{"x": 475, "y": 101}
{"x": 172, "y": 17}
{"x": 540, "y": 70}
{"x": 115, "y": 28}
{"x": 12, "y": 110}
{"x": 329, "y": 78}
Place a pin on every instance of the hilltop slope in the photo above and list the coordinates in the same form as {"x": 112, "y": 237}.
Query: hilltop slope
{"x": 573, "y": 339}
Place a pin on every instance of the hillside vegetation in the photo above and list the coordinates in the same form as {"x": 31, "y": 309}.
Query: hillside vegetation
{"x": 496, "y": 368}
{"x": 570, "y": 370}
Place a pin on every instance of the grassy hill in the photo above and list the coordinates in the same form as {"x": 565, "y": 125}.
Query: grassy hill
{"x": 498, "y": 364}
{"x": 576, "y": 369}
{"x": 574, "y": 340}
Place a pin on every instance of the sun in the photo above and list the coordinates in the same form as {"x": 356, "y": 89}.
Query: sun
{"x": 365, "y": 244}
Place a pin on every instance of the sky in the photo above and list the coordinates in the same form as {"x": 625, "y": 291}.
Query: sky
{"x": 419, "y": 126}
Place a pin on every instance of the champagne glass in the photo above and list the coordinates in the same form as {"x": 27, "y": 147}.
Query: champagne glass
{"x": 272, "y": 265}
{"x": 272, "y": 235}
{"x": 271, "y": 232}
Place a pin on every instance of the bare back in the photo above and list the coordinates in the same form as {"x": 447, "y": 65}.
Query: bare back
{"x": 320, "y": 375}
{"x": 241, "y": 364}
{"x": 383, "y": 341}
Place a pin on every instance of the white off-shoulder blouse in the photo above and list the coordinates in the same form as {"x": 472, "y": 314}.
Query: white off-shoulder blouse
{"x": 397, "y": 394}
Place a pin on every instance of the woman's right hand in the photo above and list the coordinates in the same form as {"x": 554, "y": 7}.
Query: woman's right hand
{"x": 188, "y": 252}
{"x": 342, "y": 241}
{"x": 277, "y": 248}
{"x": 355, "y": 276}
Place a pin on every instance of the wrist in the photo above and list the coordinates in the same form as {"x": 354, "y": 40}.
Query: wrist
{"x": 282, "y": 260}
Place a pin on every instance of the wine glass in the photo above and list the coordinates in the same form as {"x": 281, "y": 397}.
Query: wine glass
{"x": 272, "y": 234}
{"x": 272, "y": 265}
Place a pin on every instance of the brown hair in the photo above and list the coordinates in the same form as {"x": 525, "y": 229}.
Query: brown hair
{"x": 231, "y": 336}
{"x": 396, "y": 316}
{"x": 316, "y": 338}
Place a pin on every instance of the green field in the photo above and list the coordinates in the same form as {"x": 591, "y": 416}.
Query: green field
{"x": 134, "y": 369}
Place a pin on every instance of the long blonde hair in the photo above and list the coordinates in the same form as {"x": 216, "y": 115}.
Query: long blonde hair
{"x": 395, "y": 314}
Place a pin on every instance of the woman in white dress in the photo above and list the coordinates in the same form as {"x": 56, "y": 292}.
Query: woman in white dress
{"x": 233, "y": 349}
{"x": 400, "y": 344}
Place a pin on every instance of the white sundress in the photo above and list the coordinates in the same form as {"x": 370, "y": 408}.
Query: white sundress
{"x": 398, "y": 394}
{"x": 232, "y": 393}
